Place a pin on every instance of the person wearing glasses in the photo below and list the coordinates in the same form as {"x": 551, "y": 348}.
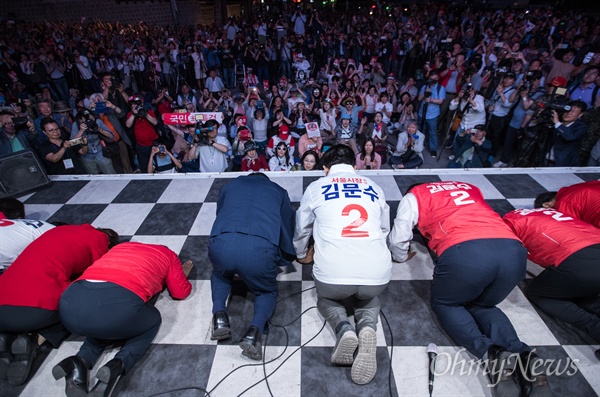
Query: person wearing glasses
{"x": 61, "y": 157}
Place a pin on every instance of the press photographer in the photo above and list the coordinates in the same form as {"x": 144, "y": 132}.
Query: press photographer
{"x": 210, "y": 149}
{"x": 144, "y": 128}
{"x": 113, "y": 90}
{"x": 501, "y": 102}
{"x": 15, "y": 134}
{"x": 431, "y": 97}
{"x": 569, "y": 130}
{"x": 470, "y": 111}
{"x": 528, "y": 92}
{"x": 86, "y": 125}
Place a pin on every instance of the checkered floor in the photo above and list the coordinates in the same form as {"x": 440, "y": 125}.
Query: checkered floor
{"x": 178, "y": 211}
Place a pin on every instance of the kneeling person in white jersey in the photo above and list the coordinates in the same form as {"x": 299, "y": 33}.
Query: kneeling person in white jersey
{"x": 348, "y": 217}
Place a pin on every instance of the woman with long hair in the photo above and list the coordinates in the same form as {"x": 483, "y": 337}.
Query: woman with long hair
{"x": 281, "y": 161}
{"x": 368, "y": 159}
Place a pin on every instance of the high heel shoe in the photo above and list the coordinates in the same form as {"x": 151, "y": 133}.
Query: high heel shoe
{"x": 107, "y": 376}
{"x": 75, "y": 371}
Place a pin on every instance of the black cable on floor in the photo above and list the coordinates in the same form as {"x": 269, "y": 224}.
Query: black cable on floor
{"x": 287, "y": 358}
{"x": 390, "y": 373}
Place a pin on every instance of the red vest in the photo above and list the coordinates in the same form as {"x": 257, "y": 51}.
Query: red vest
{"x": 550, "y": 236}
{"x": 454, "y": 212}
{"x": 581, "y": 201}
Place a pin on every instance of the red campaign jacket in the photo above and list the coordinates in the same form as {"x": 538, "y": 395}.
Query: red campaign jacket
{"x": 581, "y": 201}
{"x": 454, "y": 212}
{"x": 550, "y": 236}
{"x": 38, "y": 276}
{"x": 143, "y": 269}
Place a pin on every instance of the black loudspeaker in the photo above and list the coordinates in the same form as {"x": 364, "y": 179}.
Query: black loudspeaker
{"x": 21, "y": 173}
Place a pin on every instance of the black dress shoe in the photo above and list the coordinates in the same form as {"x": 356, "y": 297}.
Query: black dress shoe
{"x": 24, "y": 348}
{"x": 250, "y": 343}
{"x": 532, "y": 376}
{"x": 502, "y": 372}
{"x": 76, "y": 371}
{"x": 107, "y": 376}
{"x": 6, "y": 357}
{"x": 221, "y": 328}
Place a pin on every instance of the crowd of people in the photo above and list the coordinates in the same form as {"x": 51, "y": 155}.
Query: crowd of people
{"x": 62, "y": 279}
{"x": 502, "y": 88}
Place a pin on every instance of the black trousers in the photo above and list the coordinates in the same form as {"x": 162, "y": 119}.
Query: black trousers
{"x": 570, "y": 291}
{"x": 495, "y": 131}
{"x": 106, "y": 312}
{"x": 19, "y": 319}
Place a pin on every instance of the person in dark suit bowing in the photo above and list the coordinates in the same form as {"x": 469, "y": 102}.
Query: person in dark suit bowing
{"x": 250, "y": 237}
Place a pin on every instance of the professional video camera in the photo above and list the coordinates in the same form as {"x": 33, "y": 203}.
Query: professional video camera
{"x": 202, "y": 130}
{"x": 545, "y": 107}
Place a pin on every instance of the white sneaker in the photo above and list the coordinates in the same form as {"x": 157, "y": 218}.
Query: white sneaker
{"x": 451, "y": 157}
{"x": 364, "y": 366}
{"x": 499, "y": 164}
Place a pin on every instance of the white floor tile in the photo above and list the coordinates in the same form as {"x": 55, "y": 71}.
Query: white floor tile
{"x": 553, "y": 182}
{"x": 528, "y": 324}
{"x": 204, "y": 220}
{"x": 125, "y": 219}
{"x": 186, "y": 321}
{"x": 389, "y": 187}
{"x": 185, "y": 191}
{"x": 411, "y": 372}
{"x": 419, "y": 267}
{"x": 587, "y": 363}
{"x": 487, "y": 188}
{"x": 284, "y": 382}
{"x": 98, "y": 192}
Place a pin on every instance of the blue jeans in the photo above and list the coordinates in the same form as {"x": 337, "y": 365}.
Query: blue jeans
{"x": 255, "y": 260}
{"x": 431, "y": 132}
{"x": 469, "y": 280}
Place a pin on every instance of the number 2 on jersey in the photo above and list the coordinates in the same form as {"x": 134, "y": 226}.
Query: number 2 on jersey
{"x": 462, "y": 198}
{"x": 349, "y": 231}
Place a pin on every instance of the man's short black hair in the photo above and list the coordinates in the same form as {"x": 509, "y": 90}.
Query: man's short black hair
{"x": 339, "y": 154}
{"x": 12, "y": 208}
{"x": 45, "y": 121}
{"x": 579, "y": 104}
{"x": 543, "y": 198}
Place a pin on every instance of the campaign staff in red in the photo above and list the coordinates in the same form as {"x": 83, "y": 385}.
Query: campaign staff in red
{"x": 112, "y": 301}
{"x": 31, "y": 288}
{"x": 581, "y": 201}
{"x": 569, "y": 249}
{"x": 480, "y": 261}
